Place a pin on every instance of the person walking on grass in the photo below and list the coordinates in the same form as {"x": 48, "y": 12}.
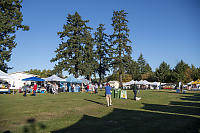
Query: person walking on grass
{"x": 34, "y": 89}
{"x": 96, "y": 88}
{"x": 135, "y": 89}
{"x": 181, "y": 88}
{"x": 108, "y": 95}
{"x": 24, "y": 89}
{"x": 55, "y": 88}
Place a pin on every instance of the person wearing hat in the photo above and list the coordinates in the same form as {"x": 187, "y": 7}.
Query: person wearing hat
{"x": 108, "y": 95}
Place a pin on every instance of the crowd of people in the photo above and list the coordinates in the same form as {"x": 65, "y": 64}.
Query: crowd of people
{"x": 29, "y": 89}
{"x": 55, "y": 88}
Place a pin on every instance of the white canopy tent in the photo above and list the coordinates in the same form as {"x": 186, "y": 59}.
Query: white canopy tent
{"x": 130, "y": 83}
{"x": 155, "y": 83}
{"x": 143, "y": 82}
{"x": 54, "y": 78}
{"x": 5, "y": 76}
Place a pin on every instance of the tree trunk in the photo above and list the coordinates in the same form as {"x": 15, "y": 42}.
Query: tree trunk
{"x": 100, "y": 72}
{"x": 76, "y": 71}
{"x": 120, "y": 79}
{"x": 90, "y": 77}
{"x": 120, "y": 67}
{"x": 99, "y": 80}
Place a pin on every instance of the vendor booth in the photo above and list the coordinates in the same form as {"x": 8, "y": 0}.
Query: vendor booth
{"x": 196, "y": 85}
{"x": 196, "y": 82}
{"x": 4, "y": 82}
{"x": 73, "y": 84}
{"x": 54, "y": 78}
{"x": 59, "y": 81}
{"x": 36, "y": 79}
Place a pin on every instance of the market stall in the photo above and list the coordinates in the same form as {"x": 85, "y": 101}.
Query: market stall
{"x": 73, "y": 84}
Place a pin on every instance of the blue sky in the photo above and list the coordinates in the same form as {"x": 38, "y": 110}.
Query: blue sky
{"x": 162, "y": 30}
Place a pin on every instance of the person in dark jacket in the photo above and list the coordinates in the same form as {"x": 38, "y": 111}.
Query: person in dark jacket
{"x": 135, "y": 89}
{"x": 181, "y": 88}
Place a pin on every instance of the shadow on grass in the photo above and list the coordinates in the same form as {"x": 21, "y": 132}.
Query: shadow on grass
{"x": 189, "y": 108}
{"x": 95, "y": 102}
{"x": 174, "y": 92}
{"x": 155, "y": 118}
{"x": 191, "y": 98}
{"x": 132, "y": 121}
{"x": 172, "y": 109}
{"x": 192, "y": 104}
{"x": 31, "y": 127}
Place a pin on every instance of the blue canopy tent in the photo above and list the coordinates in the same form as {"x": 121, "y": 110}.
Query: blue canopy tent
{"x": 85, "y": 81}
{"x": 33, "y": 79}
{"x": 72, "y": 79}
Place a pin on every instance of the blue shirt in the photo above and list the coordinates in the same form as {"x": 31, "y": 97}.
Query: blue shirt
{"x": 108, "y": 90}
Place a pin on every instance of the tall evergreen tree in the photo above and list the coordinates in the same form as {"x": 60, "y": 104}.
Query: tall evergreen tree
{"x": 58, "y": 70}
{"x": 147, "y": 72}
{"x": 71, "y": 50}
{"x": 89, "y": 63}
{"x": 195, "y": 73}
{"x": 10, "y": 21}
{"x": 103, "y": 52}
{"x": 198, "y": 73}
{"x": 144, "y": 68}
{"x": 163, "y": 72}
{"x": 120, "y": 40}
{"x": 182, "y": 69}
{"x": 141, "y": 64}
{"x": 148, "y": 68}
{"x": 133, "y": 70}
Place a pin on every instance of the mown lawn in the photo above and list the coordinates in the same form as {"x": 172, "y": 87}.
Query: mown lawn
{"x": 159, "y": 111}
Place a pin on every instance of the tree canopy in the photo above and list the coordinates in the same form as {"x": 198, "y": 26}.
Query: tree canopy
{"x": 10, "y": 21}
{"x": 103, "y": 52}
{"x": 182, "y": 70}
{"x": 72, "y": 51}
{"x": 163, "y": 72}
{"x": 120, "y": 41}
{"x": 42, "y": 73}
{"x": 83, "y": 53}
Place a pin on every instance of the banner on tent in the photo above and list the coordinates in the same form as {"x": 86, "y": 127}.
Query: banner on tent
{"x": 123, "y": 94}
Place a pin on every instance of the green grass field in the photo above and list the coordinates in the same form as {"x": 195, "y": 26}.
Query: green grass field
{"x": 159, "y": 111}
